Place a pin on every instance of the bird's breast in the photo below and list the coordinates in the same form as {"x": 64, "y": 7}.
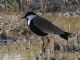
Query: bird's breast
{"x": 36, "y": 30}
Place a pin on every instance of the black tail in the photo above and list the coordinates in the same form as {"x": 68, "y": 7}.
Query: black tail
{"x": 65, "y": 35}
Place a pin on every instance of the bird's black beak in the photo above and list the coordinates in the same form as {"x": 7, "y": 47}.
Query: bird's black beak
{"x": 23, "y": 17}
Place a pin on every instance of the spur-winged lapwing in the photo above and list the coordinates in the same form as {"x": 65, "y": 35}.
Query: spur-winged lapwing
{"x": 43, "y": 27}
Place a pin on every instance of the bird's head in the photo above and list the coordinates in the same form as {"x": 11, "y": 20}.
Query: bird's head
{"x": 29, "y": 15}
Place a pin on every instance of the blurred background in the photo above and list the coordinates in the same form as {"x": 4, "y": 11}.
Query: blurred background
{"x": 17, "y": 42}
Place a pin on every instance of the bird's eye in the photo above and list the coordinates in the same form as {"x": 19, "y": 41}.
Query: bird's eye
{"x": 27, "y": 18}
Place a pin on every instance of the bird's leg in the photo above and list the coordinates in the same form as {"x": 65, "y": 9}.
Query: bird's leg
{"x": 45, "y": 45}
{"x": 48, "y": 40}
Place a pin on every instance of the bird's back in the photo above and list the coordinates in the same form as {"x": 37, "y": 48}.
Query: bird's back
{"x": 46, "y": 26}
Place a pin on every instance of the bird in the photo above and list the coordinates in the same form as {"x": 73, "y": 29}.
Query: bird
{"x": 42, "y": 27}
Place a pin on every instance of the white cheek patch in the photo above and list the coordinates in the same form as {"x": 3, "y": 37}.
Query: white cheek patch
{"x": 29, "y": 22}
{"x": 30, "y": 17}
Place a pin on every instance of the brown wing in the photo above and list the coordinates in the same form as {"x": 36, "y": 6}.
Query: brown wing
{"x": 46, "y": 26}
